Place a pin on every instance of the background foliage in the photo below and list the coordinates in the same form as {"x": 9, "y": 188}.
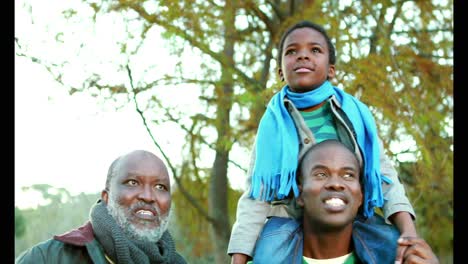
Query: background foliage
{"x": 59, "y": 214}
{"x": 395, "y": 55}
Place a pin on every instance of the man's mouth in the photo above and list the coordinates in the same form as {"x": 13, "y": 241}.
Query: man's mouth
{"x": 146, "y": 214}
{"x": 335, "y": 202}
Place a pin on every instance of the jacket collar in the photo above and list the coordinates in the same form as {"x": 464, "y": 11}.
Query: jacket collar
{"x": 78, "y": 237}
{"x": 374, "y": 240}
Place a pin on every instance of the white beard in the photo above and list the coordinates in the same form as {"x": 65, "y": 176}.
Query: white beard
{"x": 122, "y": 215}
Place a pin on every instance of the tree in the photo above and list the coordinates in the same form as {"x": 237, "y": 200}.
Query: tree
{"x": 54, "y": 217}
{"x": 20, "y": 226}
{"x": 396, "y": 56}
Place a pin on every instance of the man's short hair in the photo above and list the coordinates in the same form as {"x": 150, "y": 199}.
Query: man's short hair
{"x": 112, "y": 172}
{"x": 326, "y": 142}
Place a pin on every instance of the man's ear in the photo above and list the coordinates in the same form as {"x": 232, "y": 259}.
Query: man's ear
{"x": 300, "y": 200}
{"x": 105, "y": 196}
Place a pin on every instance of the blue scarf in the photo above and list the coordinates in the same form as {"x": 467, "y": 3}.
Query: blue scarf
{"x": 277, "y": 145}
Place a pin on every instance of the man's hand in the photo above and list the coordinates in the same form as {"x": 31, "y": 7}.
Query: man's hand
{"x": 414, "y": 250}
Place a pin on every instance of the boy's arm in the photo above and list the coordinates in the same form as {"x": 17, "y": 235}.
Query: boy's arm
{"x": 250, "y": 218}
{"x": 397, "y": 208}
{"x": 404, "y": 222}
{"x": 238, "y": 258}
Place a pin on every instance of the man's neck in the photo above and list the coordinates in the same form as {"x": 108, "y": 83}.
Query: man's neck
{"x": 326, "y": 245}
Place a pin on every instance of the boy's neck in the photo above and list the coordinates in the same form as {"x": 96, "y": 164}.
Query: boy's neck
{"x": 312, "y": 108}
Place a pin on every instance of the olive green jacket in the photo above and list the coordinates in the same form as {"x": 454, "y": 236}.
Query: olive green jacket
{"x": 76, "y": 246}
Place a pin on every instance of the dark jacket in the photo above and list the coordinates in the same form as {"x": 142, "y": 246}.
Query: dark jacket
{"x": 76, "y": 246}
{"x": 281, "y": 241}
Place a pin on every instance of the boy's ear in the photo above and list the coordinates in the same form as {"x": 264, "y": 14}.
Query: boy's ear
{"x": 331, "y": 71}
{"x": 280, "y": 73}
{"x": 300, "y": 200}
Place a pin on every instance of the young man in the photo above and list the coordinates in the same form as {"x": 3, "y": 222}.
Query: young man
{"x": 127, "y": 225}
{"x": 333, "y": 228}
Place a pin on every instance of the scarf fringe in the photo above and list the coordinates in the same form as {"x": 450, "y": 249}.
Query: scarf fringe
{"x": 267, "y": 188}
{"x": 277, "y": 146}
{"x": 373, "y": 198}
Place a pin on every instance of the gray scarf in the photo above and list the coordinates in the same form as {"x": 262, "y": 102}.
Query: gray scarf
{"x": 123, "y": 250}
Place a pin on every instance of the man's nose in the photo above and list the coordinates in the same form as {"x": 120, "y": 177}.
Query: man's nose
{"x": 335, "y": 183}
{"x": 147, "y": 194}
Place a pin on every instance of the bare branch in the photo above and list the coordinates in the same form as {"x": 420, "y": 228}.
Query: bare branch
{"x": 181, "y": 32}
{"x": 277, "y": 9}
{"x": 182, "y": 189}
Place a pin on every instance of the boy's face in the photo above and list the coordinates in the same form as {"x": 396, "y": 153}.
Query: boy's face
{"x": 331, "y": 192}
{"x": 304, "y": 64}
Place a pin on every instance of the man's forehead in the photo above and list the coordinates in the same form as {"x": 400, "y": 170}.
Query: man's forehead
{"x": 327, "y": 150}
{"x": 140, "y": 161}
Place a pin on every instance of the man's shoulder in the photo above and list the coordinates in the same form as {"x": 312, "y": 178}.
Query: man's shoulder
{"x": 69, "y": 247}
{"x": 79, "y": 236}
{"x": 281, "y": 224}
{"x": 41, "y": 252}
{"x": 280, "y": 231}
{"x": 59, "y": 246}
{"x": 280, "y": 240}
{"x": 376, "y": 224}
{"x": 375, "y": 239}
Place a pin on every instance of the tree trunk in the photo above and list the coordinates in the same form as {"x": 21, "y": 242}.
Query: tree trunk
{"x": 218, "y": 195}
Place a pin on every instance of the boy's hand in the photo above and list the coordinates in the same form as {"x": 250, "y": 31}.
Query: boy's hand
{"x": 414, "y": 250}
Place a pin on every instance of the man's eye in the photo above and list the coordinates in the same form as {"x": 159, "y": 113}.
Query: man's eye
{"x": 348, "y": 176}
{"x": 320, "y": 175}
{"x": 160, "y": 187}
{"x": 132, "y": 183}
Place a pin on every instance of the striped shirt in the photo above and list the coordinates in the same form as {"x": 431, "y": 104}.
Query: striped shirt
{"x": 320, "y": 122}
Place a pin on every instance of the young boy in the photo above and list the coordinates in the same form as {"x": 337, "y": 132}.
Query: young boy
{"x": 307, "y": 110}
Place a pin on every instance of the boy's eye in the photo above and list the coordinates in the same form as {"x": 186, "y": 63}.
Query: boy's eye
{"x": 315, "y": 50}
{"x": 290, "y": 51}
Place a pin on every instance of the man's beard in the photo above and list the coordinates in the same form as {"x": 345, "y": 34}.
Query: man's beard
{"x": 147, "y": 232}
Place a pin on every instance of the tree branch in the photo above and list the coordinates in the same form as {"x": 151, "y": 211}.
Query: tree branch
{"x": 182, "y": 189}
{"x": 190, "y": 39}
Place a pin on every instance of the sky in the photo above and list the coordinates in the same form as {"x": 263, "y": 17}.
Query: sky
{"x": 69, "y": 141}
{"x": 66, "y": 141}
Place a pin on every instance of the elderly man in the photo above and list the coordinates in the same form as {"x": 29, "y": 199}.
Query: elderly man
{"x": 127, "y": 225}
{"x": 332, "y": 228}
